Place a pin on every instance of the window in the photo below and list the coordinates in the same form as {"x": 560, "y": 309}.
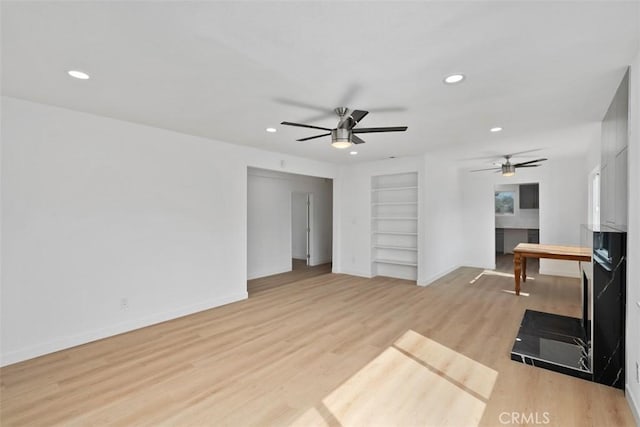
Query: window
{"x": 505, "y": 202}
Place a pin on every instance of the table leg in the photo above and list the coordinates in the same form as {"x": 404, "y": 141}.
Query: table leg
{"x": 524, "y": 268}
{"x": 516, "y": 271}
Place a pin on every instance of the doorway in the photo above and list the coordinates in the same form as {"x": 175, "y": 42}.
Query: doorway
{"x": 289, "y": 227}
{"x": 517, "y": 220}
{"x": 301, "y": 229}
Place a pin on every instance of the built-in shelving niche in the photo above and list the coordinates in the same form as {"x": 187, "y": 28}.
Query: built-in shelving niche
{"x": 394, "y": 222}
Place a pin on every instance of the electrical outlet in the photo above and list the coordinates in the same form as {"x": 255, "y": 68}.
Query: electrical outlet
{"x": 124, "y": 304}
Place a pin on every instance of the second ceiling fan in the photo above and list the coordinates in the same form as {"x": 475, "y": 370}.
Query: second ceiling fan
{"x": 344, "y": 134}
{"x": 509, "y": 169}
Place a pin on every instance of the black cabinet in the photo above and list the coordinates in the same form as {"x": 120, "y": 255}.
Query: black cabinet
{"x": 529, "y": 194}
{"x": 499, "y": 240}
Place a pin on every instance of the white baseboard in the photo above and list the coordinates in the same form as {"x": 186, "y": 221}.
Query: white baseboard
{"x": 559, "y": 272}
{"x": 480, "y": 266}
{"x": 62, "y": 343}
{"x": 634, "y": 404}
{"x": 552, "y": 267}
{"x": 353, "y": 273}
{"x": 270, "y": 272}
{"x": 319, "y": 261}
{"x": 433, "y": 278}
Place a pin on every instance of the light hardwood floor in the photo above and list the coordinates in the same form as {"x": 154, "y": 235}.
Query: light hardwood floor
{"x": 300, "y": 272}
{"x": 504, "y": 263}
{"x": 327, "y": 350}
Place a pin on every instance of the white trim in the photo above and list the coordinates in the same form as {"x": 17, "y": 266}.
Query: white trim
{"x": 354, "y": 273}
{"x": 633, "y": 404}
{"x": 559, "y": 272}
{"x": 438, "y": 276}
{"x": 62, "y": 343}
{"x": 482, "y": 267}
{"x": 319, "y": 261}
{"x": 269, "y": 272}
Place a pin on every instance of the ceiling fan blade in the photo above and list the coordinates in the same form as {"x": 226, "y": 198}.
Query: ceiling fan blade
{"x": 303, "y": 126}
{"x": 358, "y": 115}
{"x": 488, "y": 169}
{"x": 528, "y": 162}
{"x": 522, "y": 152}
{"x": 385, "y": 129}
{"x": 313, "y": 137}
{"x": 351, "y": 119}
{"x": 356, "y": 140}
{"x": 526, "y": 166}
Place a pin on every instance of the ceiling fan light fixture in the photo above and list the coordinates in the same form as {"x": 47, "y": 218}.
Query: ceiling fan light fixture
{"x": 495, "y": 129}
{"x": 508, "y": 169}
{"x": 341, "y": 144}
{"x": 341, "y": 138}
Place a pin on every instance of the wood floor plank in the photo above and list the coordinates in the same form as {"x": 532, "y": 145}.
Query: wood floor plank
{"x": 300, "y": 338}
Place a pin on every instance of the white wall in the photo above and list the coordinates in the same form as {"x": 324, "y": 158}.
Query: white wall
{"x": 563, "y": 195}
{"x": 441, "y": 239}
{"x": 95, "y": 210}
{"x": 269, "y": 220}
{"x": 633, "y": 242}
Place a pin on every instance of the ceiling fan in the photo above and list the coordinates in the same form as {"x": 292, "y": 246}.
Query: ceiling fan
{"x": 509, "y": 169}
{"x": 344, "y": 134}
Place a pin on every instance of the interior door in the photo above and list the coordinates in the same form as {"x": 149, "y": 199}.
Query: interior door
{"x": 301, "y": 226}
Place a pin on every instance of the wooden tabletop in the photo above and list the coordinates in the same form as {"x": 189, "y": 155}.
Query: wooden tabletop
{"x": 557, "y": 250}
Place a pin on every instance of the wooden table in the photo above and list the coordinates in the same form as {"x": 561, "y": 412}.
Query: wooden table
{"x": 535, "y": 250}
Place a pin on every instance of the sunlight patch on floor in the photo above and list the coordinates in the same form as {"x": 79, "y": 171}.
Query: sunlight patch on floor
{"x": 511, "y": 291}
{"x": 495, "y": 273}
{"x": 416, "y": 381}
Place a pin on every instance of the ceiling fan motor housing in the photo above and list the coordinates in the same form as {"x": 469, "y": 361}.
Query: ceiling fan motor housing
{"x": 508, "y": 169}
{"x": 340, "y": 135}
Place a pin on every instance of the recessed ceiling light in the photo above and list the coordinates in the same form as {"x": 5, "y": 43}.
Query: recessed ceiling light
{"x": 271, "y": 130}
{"x": 78, "y": 74}
{"x": 495, "y": 129}
{"x": 353, "y": 153}
{"x": 454, "y": 78}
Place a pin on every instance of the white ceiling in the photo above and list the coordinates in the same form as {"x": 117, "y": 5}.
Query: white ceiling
{"x": 228, "y": 70}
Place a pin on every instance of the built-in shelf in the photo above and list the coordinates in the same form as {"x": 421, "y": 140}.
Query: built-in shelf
{"x": 397, "y": 248}
{"x": 396, "y": 262}
{"x": 394, "y": 234}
